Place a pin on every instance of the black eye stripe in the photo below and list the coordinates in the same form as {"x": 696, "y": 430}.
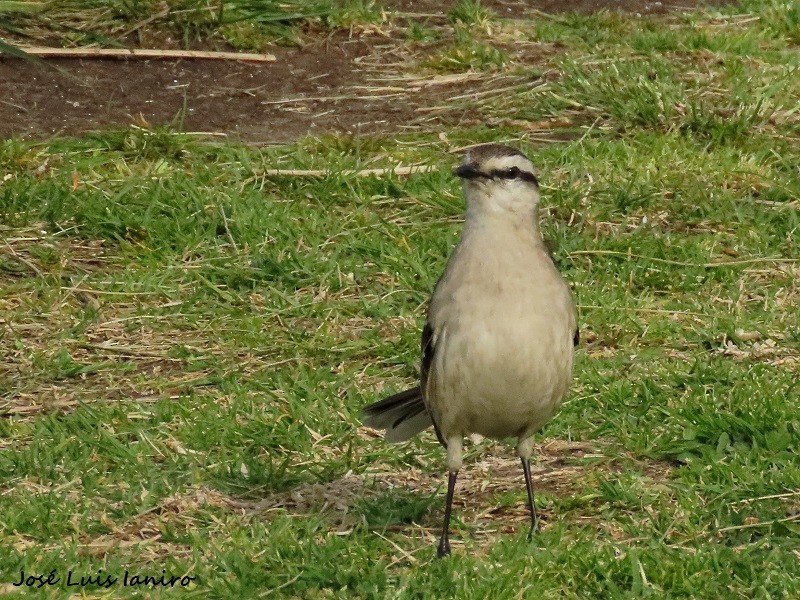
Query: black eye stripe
{"x": 513, "y": 173}
{"x": 470, "y": 172}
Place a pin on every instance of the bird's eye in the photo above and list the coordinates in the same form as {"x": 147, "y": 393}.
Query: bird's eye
{"x": 512, "y": 173}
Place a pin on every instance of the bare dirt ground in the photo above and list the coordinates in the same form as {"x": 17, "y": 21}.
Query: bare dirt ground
{"x": 341, "y": 84}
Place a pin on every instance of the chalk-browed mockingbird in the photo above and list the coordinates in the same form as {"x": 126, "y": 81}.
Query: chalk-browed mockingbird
{"x": 497, "y": 349}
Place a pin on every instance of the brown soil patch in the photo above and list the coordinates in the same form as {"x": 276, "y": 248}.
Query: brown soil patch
{"x": 224, "y": 97}
{"x": 339, "y": 85}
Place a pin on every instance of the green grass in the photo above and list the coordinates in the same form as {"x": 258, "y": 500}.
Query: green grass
{"x": 243, "y": 24}
{"x": 186, "y": 343}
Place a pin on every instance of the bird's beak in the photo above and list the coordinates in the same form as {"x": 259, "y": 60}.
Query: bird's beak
{"x": 466, "y": 171}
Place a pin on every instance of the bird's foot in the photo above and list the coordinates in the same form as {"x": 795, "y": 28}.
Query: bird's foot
{"x": 533, "y": 530}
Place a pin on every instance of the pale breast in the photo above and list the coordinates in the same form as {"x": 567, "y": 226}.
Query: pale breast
{"x": 505, "y": 360}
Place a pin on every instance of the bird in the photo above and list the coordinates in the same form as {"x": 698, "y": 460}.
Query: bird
{"x": 499, "y": 341}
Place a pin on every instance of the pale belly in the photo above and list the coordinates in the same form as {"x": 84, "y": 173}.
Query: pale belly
{"x": 502, "y": 380}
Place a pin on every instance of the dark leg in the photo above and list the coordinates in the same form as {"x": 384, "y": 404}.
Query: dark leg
{"x": 444, "y": 542}
{"x": 526, "y": 468}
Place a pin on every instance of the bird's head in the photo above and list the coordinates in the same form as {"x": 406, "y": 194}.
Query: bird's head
{"x": 499, "y": 178}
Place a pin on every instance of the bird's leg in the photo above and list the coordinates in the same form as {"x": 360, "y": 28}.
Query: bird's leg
{"x": 526, "y": 468}
{"x": 444, "y": 542}
{"x": 455, "y": 450}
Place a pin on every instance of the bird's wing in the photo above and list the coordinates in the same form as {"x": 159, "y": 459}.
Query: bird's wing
{"x": 550, "y": 247}
{"x": 428, "y": 345}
